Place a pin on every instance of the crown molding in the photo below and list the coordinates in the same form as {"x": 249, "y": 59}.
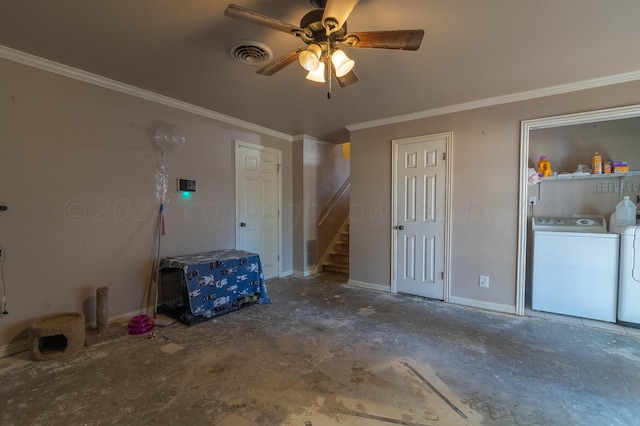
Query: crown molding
{"x": 498, "y": 100}
{"x": 87, "y": 77}
{"x": 304, "y": 137}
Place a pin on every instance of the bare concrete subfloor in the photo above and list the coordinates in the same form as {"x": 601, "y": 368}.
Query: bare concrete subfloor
{"x": 324, "y": 353}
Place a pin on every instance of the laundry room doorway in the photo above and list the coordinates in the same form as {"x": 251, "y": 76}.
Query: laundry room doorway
{"x": 613, "y": 118}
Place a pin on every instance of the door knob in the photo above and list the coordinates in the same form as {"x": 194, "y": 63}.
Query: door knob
{"x": 400, "y": 227}
{"x": 242, "y": 224}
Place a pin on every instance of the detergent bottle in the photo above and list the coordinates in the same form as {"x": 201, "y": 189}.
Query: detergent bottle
{"x": 625, "y": 212}
{"x": 544, "y": 167}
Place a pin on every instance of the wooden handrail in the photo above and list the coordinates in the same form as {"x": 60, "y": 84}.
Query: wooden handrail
{"x": 334, "y": 201}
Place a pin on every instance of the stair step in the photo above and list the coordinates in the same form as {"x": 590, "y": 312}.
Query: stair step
{"x": 342, "y": 246}
{"x": 340, "y": 268}
{"x": 339, "y": 256}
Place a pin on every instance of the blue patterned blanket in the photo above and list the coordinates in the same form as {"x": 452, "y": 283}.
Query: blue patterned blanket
{"x": 219, "y": 280}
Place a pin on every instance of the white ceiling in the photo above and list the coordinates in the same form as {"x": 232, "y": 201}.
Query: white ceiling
{"x": 472, "y": 50}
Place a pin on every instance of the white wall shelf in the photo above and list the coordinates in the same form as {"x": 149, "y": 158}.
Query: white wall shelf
{"x": 600, "y": 189}
{"x": 569, "y": 176}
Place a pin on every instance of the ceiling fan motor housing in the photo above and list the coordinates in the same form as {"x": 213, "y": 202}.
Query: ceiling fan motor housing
{"x": 320, "y": 4}
{"x": 315, "y": 32}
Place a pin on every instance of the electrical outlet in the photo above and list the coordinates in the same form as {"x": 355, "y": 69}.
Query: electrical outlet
{"x": 484, "y": 281}
{"x": 533, "y": 201}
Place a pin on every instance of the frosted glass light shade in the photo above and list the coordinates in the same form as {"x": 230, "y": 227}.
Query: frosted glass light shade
{"x": 317, "y": 75}
{"x": 341, "y": 63}
{"x": 310, "y": 57}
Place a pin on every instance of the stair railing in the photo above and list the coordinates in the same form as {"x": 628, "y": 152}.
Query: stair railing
{"x": 327, "y": 211}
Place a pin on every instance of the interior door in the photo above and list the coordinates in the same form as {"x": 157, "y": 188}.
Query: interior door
{"x": 258, "y": 204}
{"x": 419, "y": 232}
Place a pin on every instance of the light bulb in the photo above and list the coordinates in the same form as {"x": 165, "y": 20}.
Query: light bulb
{"x": 341, "y": 63}
{"x": 310, "y": 57}
{"x": 317, "y": 75}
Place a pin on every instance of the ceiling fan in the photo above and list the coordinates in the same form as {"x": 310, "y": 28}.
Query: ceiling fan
{"x": 324, "y": 30}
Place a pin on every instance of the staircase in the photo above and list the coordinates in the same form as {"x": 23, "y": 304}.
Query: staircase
{"x": 339, "y": 256}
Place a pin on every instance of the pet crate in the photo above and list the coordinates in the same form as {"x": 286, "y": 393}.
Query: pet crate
{"x": 195, "y": 288}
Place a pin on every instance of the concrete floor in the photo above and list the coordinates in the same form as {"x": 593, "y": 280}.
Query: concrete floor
{"x": 324, "y": 354}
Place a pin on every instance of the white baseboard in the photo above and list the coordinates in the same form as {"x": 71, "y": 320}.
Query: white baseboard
{"x": 488, "y": 306}
{"x": 303, "y": 274}
{"x": 23, "y": 345}
{"x": 287, "y": 273}
{"x": 14, "y": 348}
{"x": 369, "y": 286}
{"x": 297, "y": 274}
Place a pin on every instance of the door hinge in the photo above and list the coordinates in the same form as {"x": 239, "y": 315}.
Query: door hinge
{"x": 442, "y": 275}
{"x": 444, "y": 156}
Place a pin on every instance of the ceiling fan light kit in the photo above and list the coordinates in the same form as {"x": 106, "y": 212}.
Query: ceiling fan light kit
{"x": 323, "y": 30}
{"x": 341, "y": 63}
{"x": 317, "y": 75}
{"x": 310, "y": 57}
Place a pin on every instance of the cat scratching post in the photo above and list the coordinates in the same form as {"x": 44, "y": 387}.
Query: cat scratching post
{"x": 102, "y": 309}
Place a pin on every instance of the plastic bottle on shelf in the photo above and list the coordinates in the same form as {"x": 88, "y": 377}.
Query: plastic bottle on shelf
{"x": 544, "y": 167}
{"x": 597, "y": 163}
{"x": 625, "y": 212}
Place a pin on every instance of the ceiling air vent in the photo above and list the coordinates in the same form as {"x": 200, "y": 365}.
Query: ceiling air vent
{"x": 250, "y": 52}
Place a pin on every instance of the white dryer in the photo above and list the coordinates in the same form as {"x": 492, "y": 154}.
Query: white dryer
{"x": 575, "y": 267}
{"x": 629, "y": 274}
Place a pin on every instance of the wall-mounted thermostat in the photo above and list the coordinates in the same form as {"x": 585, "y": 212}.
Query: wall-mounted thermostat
{"x": 186, "y": 185}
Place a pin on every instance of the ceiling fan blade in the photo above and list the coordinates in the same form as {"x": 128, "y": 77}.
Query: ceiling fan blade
{"x": 347, "y": 79}
{"x": 397, "y": 39}
{"x": 336, "y": 13}
{"x": 239, "y": 12}
{"x": 275, "y": 66}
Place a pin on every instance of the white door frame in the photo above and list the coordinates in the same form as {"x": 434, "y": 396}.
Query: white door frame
{"x": 447, "y": 200}
{"x": 545, "y": 123}
{"x": 239, "y": 144}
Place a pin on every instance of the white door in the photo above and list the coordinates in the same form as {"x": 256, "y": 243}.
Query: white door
{"x": 420, "y": 212}
{"x": 258, "y": 204}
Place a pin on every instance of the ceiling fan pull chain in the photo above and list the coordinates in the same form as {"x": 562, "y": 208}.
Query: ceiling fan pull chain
{"x": 328, "y": 68}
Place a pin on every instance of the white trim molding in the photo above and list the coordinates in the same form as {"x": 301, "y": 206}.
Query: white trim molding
{"x": 369, "y": 286}
{"x": 14, "y": 348}
{"x": 23, "y": 345}
{"x": 479, "y": 304}
{"x": 87, "y": 77}
{"x": 287, "y": 273}
{"x": 499, "y": 100}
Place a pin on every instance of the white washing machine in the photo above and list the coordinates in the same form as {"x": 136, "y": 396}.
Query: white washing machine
{"x": 629, "y": 274}
{"x": 575, "y": 267}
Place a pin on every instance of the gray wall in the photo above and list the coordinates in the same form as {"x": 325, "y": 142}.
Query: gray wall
{"x": 77, "y": 170}
{"x": 319, "y": 172}
{"x": 485, "y": 155}
{"x": 569, "y": 146}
